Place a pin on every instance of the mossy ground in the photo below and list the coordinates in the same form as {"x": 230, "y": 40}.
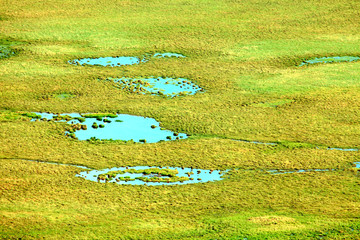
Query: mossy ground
{"x": 244, "y": 54}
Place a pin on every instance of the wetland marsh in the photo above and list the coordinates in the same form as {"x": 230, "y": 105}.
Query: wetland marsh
{"x": 124, "y": 127}
{"x": 260, "y": 94}
{"x": 169, "y": 87}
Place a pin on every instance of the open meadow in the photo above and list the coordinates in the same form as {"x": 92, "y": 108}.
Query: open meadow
{"x": 258, "y": 112}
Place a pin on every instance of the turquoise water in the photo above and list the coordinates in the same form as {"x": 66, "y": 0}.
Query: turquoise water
{"x": 199, "y": 176}
{"x": 330, "y": 60}
{"x": 168, "y": 54}
{"x": 120, "y": 61}
{"x": 107, "y": 61}
{"x": 169, "y": 87}
{"x": 344, "y": 149}
{"x": 196, "y": 175}
{"x": 122, "y": 127}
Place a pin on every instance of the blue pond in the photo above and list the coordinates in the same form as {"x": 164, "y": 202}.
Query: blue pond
{"x": 154, "y": 176}
{"x": 120, "y": 61}
{"x": 197, "y": 176}
{"x": 117, "y": 127}
{"x": 107, "y": 61}
{"x": 169, "y": 87}
{"x": 330, "y": 60}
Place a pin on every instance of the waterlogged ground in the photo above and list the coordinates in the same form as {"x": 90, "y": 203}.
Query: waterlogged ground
{"x": 356, "y": 165}
{"x": 166, "y": 55}
{"x": 281, "y": 171}
{"x": 121, "y": 61}
{"x": 156, "y": 176}
{"x": 169, "y": 87}
{"x": 5, "y": 51}
{"x": 115, "y": 126}
{"x": 274, "y": 103}
{"x": 244, "y": 54}
{"x": 152, "y": 176}
{"x": 330, "y": 60}
{"x": 317, "y": 147}
{"x": 65, "y": 96}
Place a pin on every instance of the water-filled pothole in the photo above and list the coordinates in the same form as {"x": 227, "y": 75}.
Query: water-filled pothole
{"x": 118, "y": 61}
{"x": 169, "y": 87}
{"x": 152, "y": 176}
{"x": 106, "y": 61}
{"x": 330, "y": 60}
{"x": 111, "y": 127}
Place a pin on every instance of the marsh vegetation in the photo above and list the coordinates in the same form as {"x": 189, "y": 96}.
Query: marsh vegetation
{"x": 246, "y": 55}
{"x": 167, "y": 87}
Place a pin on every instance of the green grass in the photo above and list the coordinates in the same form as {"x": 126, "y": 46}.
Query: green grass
{"x": 245, "y": 55}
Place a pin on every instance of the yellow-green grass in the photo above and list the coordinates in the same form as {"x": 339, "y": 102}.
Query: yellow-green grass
{"x": 245, "y": 55}
{"x": 43, "y": 200}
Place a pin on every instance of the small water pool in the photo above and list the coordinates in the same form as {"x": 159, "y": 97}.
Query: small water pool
{"x": 107, "y": 61}
{"x": 168, "y": 55}
{"x": 169, "y": 87}
{"x": 152, "y": 176}
{"x": 330, "y": 60}
{"x": 146, "y": 175}
{"x": 112, "y": 126}
{"x": 118, "y": 61}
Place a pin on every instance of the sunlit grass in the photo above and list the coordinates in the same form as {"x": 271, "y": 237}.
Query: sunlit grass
{"x": 245, "y": 55}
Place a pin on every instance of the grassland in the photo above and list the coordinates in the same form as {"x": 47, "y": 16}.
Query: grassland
{"x": 245, "y": 55}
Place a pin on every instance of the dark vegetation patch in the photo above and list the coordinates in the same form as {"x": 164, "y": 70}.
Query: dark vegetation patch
{"x": 8, "y": 47}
